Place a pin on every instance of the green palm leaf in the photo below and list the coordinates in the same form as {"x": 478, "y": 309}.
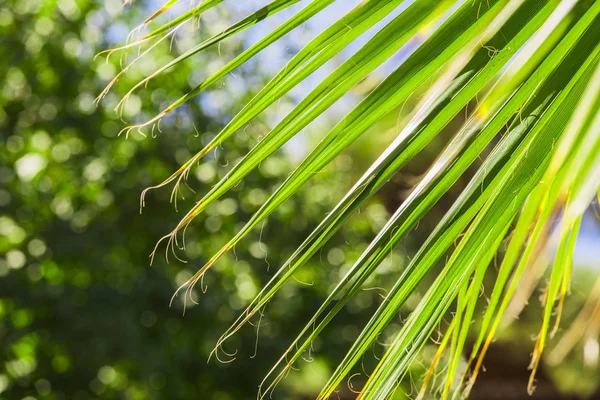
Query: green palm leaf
{"x": 532, "y": 67}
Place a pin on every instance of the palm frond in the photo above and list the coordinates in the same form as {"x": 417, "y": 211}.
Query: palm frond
{"x": 532, "y": 69}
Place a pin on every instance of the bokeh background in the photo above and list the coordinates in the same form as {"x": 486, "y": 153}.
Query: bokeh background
{"x": 82, "y": 313}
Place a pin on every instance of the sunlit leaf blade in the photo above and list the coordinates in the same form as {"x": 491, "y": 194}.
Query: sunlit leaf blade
{"x": 572, "y": 174}
{"x": 245, "y": 23}
{"x": 466, "y": 307}
{"x": 301, "y": 17}
{"x": 390, "y": 235}
{"x": 521, "y": 96}
{"x": 438, "y": 243}
{"x": 532, "y": 214}
{"x": 409, "y": 142}
{"x": 401, "y": 217}
{"x": 538, "y": 209}
{"x": 188, "y": 15}
{"x": 321, "y": 49}
{"x": 529, "y": 70}
{"x": 562, "y": 264}
{"x": 582, "y": 326}
{"x": 582, "y": 180}
{"x": 392, "y": 92}
{"x": 165, "y": 7}
{"x": 165, "y": 30}
{"x": 481, "y": 240}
